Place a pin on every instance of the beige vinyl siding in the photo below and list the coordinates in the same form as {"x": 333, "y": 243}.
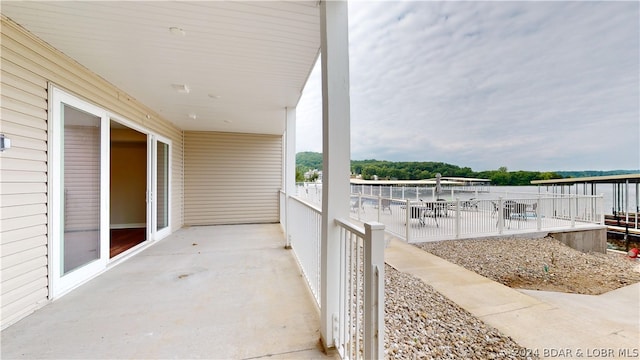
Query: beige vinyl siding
{"x": 27, "y": 66}
{"x": 231, "y": 178}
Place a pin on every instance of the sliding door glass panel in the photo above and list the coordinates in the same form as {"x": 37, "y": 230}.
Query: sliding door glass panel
{"x": 81, "y": 189}
{"x": 128, "y": 177}
{"x": 162, "y": 178}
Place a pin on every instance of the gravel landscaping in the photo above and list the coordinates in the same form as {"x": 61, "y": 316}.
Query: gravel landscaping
{"x": 420, "y": 323}
{"x": 539, "y": 264}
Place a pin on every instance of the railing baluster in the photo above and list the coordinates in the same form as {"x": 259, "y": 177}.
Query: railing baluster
{"x": 538, "y": 213}
{"x": 457, "y": 225}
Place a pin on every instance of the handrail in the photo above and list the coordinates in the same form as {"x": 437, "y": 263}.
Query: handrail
{"x": 311, "y": 205}
{"x": 360, "y": 317}
{"x": 357, "y": 230}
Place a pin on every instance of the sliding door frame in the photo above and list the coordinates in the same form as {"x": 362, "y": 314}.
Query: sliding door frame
{"x": 59, "y": 283}
{"x": 158, "y": 234}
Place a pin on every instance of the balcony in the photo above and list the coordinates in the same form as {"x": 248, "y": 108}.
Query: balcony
{"x": 204, "y": 292}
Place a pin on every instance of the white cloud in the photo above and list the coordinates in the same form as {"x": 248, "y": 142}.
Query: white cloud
{"x": 527, "y": 85}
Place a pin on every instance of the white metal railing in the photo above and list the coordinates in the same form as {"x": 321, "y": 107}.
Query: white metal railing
{"x": 304, "y": 236}
{"x": 359, "y": 321}
{"x": 310, "y": 191}
{"x": 359, "y": 324}
{"x": 441, "y": 219}
{"x": 415, "y": 192}
{"x": 282, "y": 197}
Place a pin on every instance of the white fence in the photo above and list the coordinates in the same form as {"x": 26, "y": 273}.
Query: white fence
{"x": 359, "y": 321}
{"x": 442, "y": 220}
{"x": 360, "y": 332}
{"x": 311, "y": 192}
{"x": 304, "y": 236}
{"x": 415, "y": 192}
{"x": 282, "y": 197}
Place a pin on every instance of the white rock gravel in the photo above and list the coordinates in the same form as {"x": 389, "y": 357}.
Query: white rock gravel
{"x": 539, "y": 264}
{"x": 420, "y": 323}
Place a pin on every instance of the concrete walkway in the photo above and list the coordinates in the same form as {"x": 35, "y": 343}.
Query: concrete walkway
{"x": 216, "y": 292}
{"x": 555, "y": 325}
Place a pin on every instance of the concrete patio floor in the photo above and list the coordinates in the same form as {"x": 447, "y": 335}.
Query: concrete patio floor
{"x": 215, "y": 292}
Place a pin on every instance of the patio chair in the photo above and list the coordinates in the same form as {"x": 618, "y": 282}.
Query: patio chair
{"x": 440, "y": 208}
{"x": 354, "y": 205}
{"x": 385, "y": 204}
{"x": 471, "y": 204}
{"x": 507, "y": 212}
{"x": 518, "y": 210}
{"x": 495, "y": 208}
{"x": 534, "y": 210}
{"x": 420, "y": 212}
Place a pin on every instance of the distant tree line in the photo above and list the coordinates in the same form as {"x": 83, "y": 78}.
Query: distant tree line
{"x": 418, "y": 170}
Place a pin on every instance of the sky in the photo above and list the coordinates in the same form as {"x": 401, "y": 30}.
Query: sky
{"x": 536, "y": 86}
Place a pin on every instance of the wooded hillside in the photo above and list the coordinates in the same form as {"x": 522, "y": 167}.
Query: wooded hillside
{"x": 418, "y": 170}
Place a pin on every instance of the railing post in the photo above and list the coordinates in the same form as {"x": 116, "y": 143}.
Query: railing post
{"x": 374, "y": 291}
{"x": 457, "y": 218}
{"x": 601, "y": 208}
{"x": 572, "y": 214}
{"x": 538, "y": 212}
{"x": 379, "y": 207}
{"x": 407, "y": 219}
{"x": 359, "y": 205}
{"x": 500, "y": 215}
{"x": 287, "y": 212}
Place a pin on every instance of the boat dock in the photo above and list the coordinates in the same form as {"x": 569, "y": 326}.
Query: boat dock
{"x": 626, "y": 205}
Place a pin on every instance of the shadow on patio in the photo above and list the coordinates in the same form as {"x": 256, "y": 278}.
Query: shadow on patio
{"x": 222, "y": 292}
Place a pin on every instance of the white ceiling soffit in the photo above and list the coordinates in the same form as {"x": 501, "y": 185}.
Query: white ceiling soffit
{"x": 241, "y": 63}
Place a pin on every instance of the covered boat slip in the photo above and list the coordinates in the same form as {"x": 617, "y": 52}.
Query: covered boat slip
{"x": 626, "y": 194}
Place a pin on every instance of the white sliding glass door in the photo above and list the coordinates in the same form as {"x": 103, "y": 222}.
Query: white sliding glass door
{"x": 109, "y": 190}
{"x": 79, "y": 191}
{"x": 161, "y": 194}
